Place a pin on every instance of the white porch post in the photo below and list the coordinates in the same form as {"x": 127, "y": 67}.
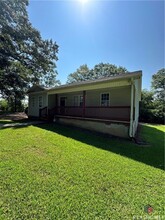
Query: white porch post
{"x": 132, "y": 109}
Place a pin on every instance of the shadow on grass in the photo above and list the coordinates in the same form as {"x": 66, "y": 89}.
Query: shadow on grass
{"x": 7, "y": 121}
{"x": 152, "y": 154}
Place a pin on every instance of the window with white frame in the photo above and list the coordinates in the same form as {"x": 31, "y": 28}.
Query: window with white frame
{"x": 78, "y": 100}
{"x": 40, "y": 101}
{"x": 105, "y": 101}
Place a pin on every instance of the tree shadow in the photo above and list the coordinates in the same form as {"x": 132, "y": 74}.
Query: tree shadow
{"x": 18, "y": 123}
{"x": 151, "y": 154}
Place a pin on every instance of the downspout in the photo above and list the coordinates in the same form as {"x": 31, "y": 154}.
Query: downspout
{"x": 132, "y": 109}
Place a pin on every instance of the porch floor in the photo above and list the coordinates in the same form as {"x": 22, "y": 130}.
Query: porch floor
{"x": 94, "y": 119}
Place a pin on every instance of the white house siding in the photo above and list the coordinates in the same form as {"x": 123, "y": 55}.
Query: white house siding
{"x": 33, "y": 110}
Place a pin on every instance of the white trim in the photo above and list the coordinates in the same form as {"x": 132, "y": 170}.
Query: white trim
{"x": 132, "y": 109}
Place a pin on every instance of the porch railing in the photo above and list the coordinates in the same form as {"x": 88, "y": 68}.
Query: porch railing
{"x": 102, "y": 112}
{"x": 43, "y": 112}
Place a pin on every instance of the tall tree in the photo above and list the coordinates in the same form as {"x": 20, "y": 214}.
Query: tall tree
{"x": 158, "y": 86}
{"x": 147, "y": 106}
{"x": 25, "y": 58}
{"x": 100, "y": 70}
{"x": 81, "y": 74}
{"x": 106, "y": 70}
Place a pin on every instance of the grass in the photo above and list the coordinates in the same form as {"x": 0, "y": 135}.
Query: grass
{"x": 57, "y": 172}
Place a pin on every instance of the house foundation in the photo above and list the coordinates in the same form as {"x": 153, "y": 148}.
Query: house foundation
{"x": 115, "y": 128}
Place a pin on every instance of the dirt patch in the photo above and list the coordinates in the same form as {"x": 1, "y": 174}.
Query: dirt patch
{"x": 14, "y": 116}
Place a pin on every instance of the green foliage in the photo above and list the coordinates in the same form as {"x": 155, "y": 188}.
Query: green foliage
{"x": 100, "y": 70}
{"x": 3, "y": 105}
{"x": 11, "y": 105}
{"x": 25, "y": 58}
{"x": 147, "y": 106}
{"x": 61, "y": 173}
{"x": 81, "y": 74}
{"x": 158, "y": 84}
{"x": 152, "y": 104}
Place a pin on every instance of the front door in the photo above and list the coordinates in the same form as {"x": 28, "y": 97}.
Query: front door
{"x": 62, "y": 105}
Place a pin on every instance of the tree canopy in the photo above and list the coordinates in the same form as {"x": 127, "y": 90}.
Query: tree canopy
{"x": 100, "y": 70}
{"x": 158, "y": 83}
{"x": 152, "y": 105}
{"x": 25, "y": 58}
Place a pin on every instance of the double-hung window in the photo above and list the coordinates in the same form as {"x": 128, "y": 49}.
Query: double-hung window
{"x": 105, "y": 99}
{"x": 78, "y": 100}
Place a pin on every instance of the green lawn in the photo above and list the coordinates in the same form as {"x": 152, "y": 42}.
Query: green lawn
{"x": 56, "y": 172}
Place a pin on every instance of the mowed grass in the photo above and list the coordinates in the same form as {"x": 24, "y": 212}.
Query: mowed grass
{"x": 58, "y": 172}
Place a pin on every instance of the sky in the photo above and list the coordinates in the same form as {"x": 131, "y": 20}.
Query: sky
{"x": 124, "y": 33}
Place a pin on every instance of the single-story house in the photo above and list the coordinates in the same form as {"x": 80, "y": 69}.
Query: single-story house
{"x": 108, "y": 105}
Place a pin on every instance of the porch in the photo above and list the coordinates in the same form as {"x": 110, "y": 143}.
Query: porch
{"x": 110, "y": 104}
{"x": 115, "y": 113}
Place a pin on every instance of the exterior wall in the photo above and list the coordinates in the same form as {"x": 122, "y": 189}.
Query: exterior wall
{"x": 118, "y": 97}
{"x": 33, "y": 110}
{"x": 51, "y": 101}
{"x": 116, "y": 129}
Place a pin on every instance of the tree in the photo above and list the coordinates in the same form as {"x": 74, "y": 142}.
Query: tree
{"x": 3, "y": 105}
{"x": 81, "y": 74}
{"x": 100, "y": 70}
{"x": 152, "y": 103}
{"x": 147, "y": 106}
{"x": 158, "y": 86}
{"x": 25, "y": 58}
{"x": 106, "y": 70}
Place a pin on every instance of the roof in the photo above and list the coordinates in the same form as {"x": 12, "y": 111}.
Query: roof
{"x": 123, "y": 76}
{"x": 135, "y": 74}
{"x": 36, "y": 88}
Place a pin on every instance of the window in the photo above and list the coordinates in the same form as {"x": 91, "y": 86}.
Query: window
{"x": 33, "y": 102}
{"x": 81, "y": 101}
{"x": 105, "y": 99}
{"x": 78, "y": 100}
{"x": 40, "y": 101}
{"x": 75, "y": 100}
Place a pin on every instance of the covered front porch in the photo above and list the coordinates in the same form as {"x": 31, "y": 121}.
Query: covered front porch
{"x": 106, "y": 104}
